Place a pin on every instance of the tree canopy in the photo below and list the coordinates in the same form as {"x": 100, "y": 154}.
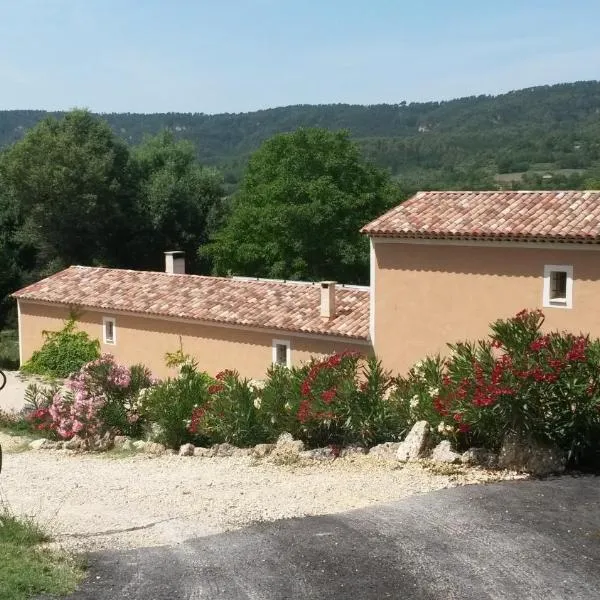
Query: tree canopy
{"x": 297, "y": 215}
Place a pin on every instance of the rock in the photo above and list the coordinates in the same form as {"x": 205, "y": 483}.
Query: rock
{"x": 38, "y": 444}
{"x": 285, "y": 438}
{"x": 318, "y": 454}
{"x": 52, "y": 445}
{"x": 352, "y": 451}
{"x": 127, "y": 446}
{"x": 386, "y": 451}
{"x": 186, "y": 450}
{"x": 415, "y": 444}
{"x": 224, "y": 449}
{"x": 519, "y": 454}
{"x": 443, "y": 453}
{"x": 154, "y": 448}
{"x": 201, "y": 451}
{"x": 480, "y": 457}
{"x": 242, "y": 452}
{"x": 75, "y": 443}
{"x": 262, "y": 450}
{"x": 139, "y": 444}
{"x": 119, "y": 440}
{"x": 102, "y": 444}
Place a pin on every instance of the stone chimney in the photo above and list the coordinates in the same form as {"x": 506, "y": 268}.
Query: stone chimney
{"x": 175, "y": 262}
{"x": 328, "y": 299}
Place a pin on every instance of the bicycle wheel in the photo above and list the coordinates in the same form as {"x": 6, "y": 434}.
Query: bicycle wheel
{"x": 2, "y": 380}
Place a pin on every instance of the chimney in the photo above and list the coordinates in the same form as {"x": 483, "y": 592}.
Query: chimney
{"x": 328, "y": 299}
{"x": 175, "y": 262}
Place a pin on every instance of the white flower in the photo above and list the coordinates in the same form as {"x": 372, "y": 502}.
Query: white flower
{"x": 257, "y": 403}
{"x": 287, "y": 406}
{"x": 418, "y": 365}
{"x": 414, "y": 402}
{"x": 433, "y": 391}
{"x": 441, "y": 427}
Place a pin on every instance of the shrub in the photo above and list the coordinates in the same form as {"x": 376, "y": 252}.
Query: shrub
{"x": 9, "y": 349}
{"x": 102, "y": 396}
{"x": 63, "y": 352}
{"x": 169, "y": 404}
{"x": 232, "y": 412}
{"x": 544, "y": 387}
{"x": 279, "y": 401}
{"x": 344, "y": 400}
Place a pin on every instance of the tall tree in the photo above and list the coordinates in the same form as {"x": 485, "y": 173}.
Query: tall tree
{"x": 71, "y": 184}
{"x": 302, "y": 202}
{"x": 178, "y": 199}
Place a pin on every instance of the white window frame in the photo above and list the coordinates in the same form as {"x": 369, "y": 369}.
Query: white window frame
{"x": 288, "y": 352}
{"x": 112, "y": 320}
{"x": 548, "y": 302}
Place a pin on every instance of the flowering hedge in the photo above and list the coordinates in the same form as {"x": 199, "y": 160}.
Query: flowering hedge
{"x": 100, "y": 397}
{"x": 544, "y": 386}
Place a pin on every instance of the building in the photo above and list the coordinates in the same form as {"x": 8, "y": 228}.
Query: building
{"x": 239, "y": 323}
{"x": 444, "y": 265}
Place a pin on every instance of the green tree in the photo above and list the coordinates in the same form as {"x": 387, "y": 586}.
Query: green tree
{"x": 303, "y": 199}
{"x": 178, "y": 200}
{"x": 71, "y": 186}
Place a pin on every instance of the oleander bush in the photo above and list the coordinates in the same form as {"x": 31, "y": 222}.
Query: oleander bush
{"x": 231, "y": 413}
{"x": 167, "y": 407}
{"x": 540, "y": 386}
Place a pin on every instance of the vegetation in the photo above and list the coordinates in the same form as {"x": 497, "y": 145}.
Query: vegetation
{"x": 26, "y": 569}
{"x": 9, "y": 350}
{"x": 458, "y": 144}
{"x": 299, "y": 210}
{"x": 543, "y": 387}
{"x": 64, "y": 352}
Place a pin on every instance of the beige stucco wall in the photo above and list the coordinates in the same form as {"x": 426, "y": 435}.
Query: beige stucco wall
{"x": 146, "y": 340}
{"x": 429, "y": 294}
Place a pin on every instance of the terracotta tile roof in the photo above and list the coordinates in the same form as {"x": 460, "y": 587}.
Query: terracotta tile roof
{"x": 253, "y": 303}
{"x": 569, "y": 216}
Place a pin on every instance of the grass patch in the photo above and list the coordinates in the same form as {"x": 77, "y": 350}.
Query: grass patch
{"x": 26, "y": 569}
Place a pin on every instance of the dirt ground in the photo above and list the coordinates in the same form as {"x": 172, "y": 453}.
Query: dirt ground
{"x": 11, "y": 397}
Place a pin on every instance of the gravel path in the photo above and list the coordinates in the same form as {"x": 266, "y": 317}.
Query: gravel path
{"x": 12, "y": 396}
{"x": 91, "y": 502}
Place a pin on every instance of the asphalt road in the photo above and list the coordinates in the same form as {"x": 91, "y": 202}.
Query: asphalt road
{"x": 518, "y": 540}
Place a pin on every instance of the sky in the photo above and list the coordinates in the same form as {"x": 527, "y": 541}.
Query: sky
{"x": 215, "y": 56}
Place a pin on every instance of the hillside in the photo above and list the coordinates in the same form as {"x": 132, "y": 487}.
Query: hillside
{"x": 543, "y": 136}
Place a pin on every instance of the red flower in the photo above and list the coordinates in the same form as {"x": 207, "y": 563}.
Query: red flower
{"x": 496, "y": 344}
{"x": 458, "y": 417}
{"x": 215, "y": 388}
{"x": 304, "y": 411}
{"x": 329, "y": 395}
{"x": 305, "y": 388}
{"x": 464, "y": 428}
{"x": 224, "y": 374}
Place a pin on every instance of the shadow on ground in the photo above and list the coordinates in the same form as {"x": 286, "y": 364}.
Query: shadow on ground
{"x": 519, "y": 540}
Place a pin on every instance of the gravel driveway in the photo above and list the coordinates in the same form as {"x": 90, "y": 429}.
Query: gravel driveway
{"x": 12, "y": 396}
{"x": 92, "y": 502}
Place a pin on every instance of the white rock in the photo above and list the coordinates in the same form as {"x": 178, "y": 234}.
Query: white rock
{"x": 443, "y": 453}
{"x": 38, "y": 444}
{"x": 139, "y": 444}
{"x": 385, "y": 451}
{"x": 127, "y": 446}
{"x": 262, "y": 450}
{"x": 186, "y": 450}
{"x": 154, "y": 448}
{"x": 415, "y": 444}
{"x": 119, "y": 440}
{"x": 318, "y": 454}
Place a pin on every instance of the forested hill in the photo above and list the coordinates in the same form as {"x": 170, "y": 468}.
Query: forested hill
{"x": 548, "y": 132}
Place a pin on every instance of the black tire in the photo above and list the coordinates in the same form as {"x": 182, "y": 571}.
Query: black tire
{"x": 2, "y": 380}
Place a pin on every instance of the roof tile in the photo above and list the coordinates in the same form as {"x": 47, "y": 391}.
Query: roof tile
{"x": 565, "y": 216}
{"x": 288, "y": 306}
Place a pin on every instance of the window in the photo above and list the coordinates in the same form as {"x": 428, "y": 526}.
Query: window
{"x": 282, "y": 354}
{"x": 110, "y": 330}
{"x": 558, "y": 286}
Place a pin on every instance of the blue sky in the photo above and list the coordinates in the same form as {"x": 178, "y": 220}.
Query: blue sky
{"x": 239, "y": 55}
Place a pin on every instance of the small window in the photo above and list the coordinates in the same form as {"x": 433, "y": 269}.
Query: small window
{"x": 558, "y": 286}
{"x": 110, "y": 330}
{"x": 281, "y": 353}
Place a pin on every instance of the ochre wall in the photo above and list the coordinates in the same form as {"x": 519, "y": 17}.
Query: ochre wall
{"x": 429, "y": 294}
{"x": 146, "y": 340}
